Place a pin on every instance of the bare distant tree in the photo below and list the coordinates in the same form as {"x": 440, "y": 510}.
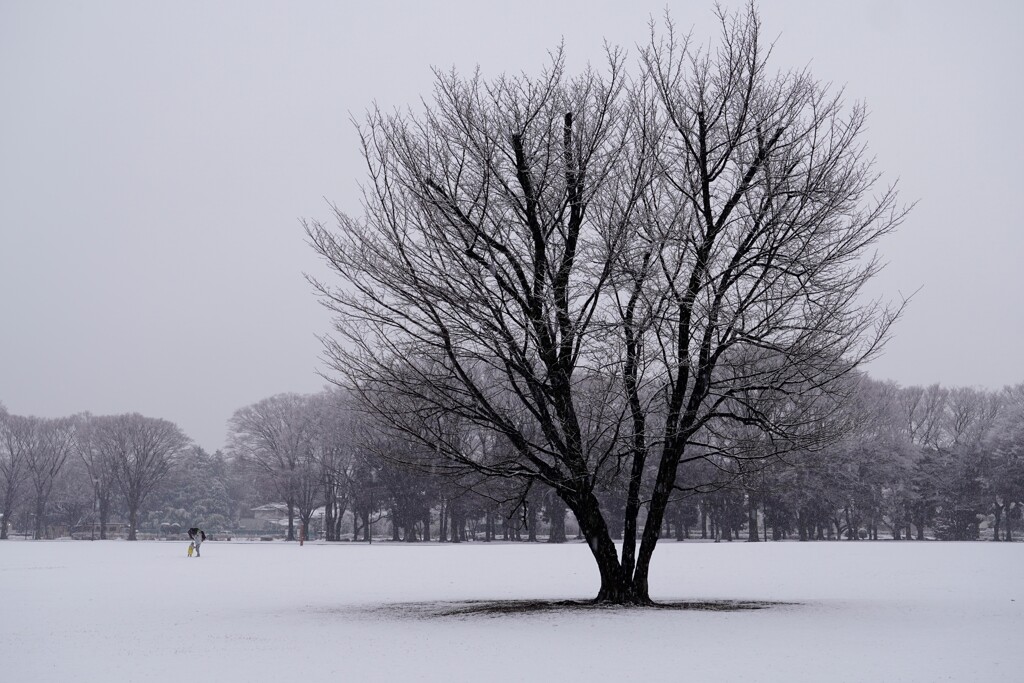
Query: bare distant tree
{"x": 48, "y": 446}
{"x": 99, "y": 465}
{"x": 970, "y": 415}
{"x": 509, "y": 226}
{"x": 1004, "y": 470}
{"x": 142, "y": 451}
{"x": 924, "y": 409}
{"x": 309, "y": 487}
{"x": 14, "y": 440}
{"x": 275, "y": 435}
{"x": 334, "y": 449}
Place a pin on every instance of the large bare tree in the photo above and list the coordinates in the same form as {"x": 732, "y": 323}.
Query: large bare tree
{"x": 334, "y": 449}
{"x": 607, "y": 271}
{"x": 47, "y": 447}
{"x": 142, "y": 451}
{"x": 14, "y": 440}
{"x": 99, "y": 465}
{"x": 275, "y": 436}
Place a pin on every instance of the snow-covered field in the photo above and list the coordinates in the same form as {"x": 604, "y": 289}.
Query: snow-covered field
{"x": 888, "y": 611}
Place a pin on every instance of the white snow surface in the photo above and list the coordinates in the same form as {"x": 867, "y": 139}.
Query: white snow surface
{"x": 115, "y": 611}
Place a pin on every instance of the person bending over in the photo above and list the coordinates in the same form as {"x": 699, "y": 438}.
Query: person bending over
{"x": 198, "y": 536}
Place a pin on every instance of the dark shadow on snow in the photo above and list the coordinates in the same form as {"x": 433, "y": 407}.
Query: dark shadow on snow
{"x": 499, "y": 608}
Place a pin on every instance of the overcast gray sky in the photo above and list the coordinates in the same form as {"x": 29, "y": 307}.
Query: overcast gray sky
{"x": 156, "y": 158}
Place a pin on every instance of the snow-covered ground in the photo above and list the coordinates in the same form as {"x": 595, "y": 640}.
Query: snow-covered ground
{"x": 887, "y": 611}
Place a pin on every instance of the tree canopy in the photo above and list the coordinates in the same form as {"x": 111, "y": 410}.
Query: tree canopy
{"x": 623, "y": 270}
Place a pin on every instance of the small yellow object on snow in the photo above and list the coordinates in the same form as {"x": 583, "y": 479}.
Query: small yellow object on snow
{"x": 191, "y": 547}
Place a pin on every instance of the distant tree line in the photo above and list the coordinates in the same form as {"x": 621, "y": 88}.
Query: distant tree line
{"x": 922, "y": 462}
{"x": 58, "y": 470}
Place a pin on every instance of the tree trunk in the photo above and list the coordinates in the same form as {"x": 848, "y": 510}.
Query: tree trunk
{"x": 664, "y": 484}
{"x": 456, "y": 529}
{"x": 616, "y": 587}
{"x": 40, "y": 517}
{"x": 556, "y": 511}
{"x": 339, "y": 517}
{"x": 329, "y": 521}
{"x": 752, "y": 532}
{"x": 919, "y": 522}
{"x": 8, "y": 508}
{"x": 133, "y": 518}
{"x": 5, "y": 522}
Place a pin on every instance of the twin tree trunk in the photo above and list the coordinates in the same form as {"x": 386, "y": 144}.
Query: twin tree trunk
{"x": 625, "y": 580}
{"x": 621, "y": 582}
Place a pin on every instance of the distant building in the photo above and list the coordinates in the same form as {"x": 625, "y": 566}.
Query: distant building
{"x": 271, "y": 512}
{"x": 272, "y": 519}
{"x": 269, "y": 519}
